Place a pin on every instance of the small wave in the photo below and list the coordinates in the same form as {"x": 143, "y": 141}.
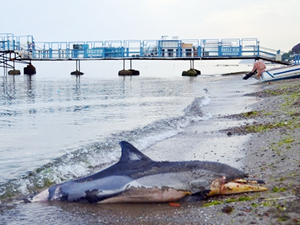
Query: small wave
{"x": 98, "y": 155}
{"x": 195, "y": 109}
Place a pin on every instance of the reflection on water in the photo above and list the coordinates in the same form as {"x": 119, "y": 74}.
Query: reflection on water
{"x": 11, "y": 86}
{"x": 30, "y": 86}
{"x": 77, "y": 87}
{"x": 8, "y": 86}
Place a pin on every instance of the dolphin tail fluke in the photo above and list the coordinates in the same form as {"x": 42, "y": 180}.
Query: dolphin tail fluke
{"x": 41, "y": 197}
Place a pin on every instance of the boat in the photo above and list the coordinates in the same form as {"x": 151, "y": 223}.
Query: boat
{"x": 281, "y": 73}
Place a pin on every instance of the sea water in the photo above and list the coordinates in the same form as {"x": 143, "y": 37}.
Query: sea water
{"x": 55, "y": 127}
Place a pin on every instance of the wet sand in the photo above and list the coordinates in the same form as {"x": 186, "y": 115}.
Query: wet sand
{"x": 263, "y": 142}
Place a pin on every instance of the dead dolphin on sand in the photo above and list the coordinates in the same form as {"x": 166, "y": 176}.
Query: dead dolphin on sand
{"x": 137, "y": 178}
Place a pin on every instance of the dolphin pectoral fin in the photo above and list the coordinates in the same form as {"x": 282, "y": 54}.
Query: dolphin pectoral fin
{"x": 235, "y": 187}
{"x": 198, "y": 196}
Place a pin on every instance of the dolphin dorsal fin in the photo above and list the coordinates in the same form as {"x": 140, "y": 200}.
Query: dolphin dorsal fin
{"x": 131, "y": 153}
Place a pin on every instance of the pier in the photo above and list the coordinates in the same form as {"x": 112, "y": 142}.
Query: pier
{"x": 24, "y": 49}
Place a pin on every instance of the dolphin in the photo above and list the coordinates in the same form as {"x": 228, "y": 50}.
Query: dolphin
{"x": 136, "y": 178}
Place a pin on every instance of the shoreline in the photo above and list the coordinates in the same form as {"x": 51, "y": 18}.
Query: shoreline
{"x": 264, "y": 140}
{"x": 271, "y": 154}
{"x": 273, "y": 151}
{"x": 266, "y": 157}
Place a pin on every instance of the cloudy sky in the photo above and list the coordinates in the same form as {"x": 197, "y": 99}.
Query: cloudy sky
{"x": 273, "y": 22}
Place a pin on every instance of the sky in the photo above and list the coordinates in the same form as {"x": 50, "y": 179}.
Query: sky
{"x": 272, "y": 22}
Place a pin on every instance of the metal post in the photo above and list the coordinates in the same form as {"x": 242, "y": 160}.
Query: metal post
{"x": 130, "y": 64}
{"x": 5, "y": 65}
{"x": 77, "y": 71}
{"x": 192, "y": 64}
{"x": 77, "y": 65}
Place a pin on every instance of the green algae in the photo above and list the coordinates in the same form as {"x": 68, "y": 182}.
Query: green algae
{"x": 230, "y": 200}
{"x": 277, "y": 189}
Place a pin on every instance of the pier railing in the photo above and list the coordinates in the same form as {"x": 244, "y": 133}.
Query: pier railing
{"x": 189, "y": 48}
{"x": 164, "y": 48}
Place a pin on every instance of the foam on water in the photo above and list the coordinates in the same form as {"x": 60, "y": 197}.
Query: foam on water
{"x": 99, "y": 154}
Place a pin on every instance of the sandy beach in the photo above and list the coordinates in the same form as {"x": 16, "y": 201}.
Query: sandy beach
{"x": 273, "y": 155}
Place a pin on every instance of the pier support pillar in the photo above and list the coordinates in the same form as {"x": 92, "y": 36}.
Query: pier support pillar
{"x": 192, "y": 71}
{"x": 130, "y": 72}
{"x": 77, "y": 71}
{"x": 14, "y": 71}
{"x": 29, "y": 69}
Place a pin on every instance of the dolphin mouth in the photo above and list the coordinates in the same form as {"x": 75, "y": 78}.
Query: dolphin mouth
{"x": 220, "y": 187}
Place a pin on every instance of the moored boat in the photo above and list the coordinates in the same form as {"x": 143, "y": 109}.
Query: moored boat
{"x": 281, "y": 73}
